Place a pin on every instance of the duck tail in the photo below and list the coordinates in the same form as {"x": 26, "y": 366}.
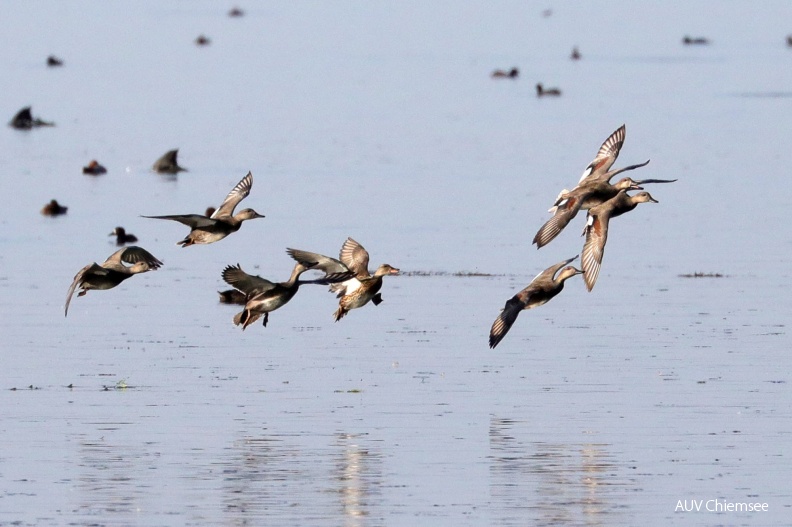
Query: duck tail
{"x": 241, "y": 318}
{"x": 339, "y": 313}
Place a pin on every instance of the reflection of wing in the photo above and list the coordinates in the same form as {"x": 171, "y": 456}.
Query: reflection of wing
{"x": 355, "y": 257}
{"x": 504, "y": 322}
{"x": 606, "y": 155}
{"x": 78, "y": 278}
{"x": 593, "y": 249}
{"x": 191, "y": 220}
{"x": 237, "y": 194}
{"x": 247, "y": 283}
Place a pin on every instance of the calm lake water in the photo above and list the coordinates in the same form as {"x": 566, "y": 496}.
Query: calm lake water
{"x": 380, "y": 121}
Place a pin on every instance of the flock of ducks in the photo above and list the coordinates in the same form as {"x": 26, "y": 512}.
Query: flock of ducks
{"x": 349, "y": 276}
{"x": 603, "y": 200}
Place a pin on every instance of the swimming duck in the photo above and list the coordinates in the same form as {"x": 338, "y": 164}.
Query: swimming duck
{"x": 53, "y": 61}
{"x": 688, "y": 41}
{"x": 541, "y": 91}
{"x": 24, "y": 120}
{"x": 202, "y": 40}
{"x": 94, "y": 169}
{"x": 122, "y": 237}
{"x": 222, "y": 223}
{"x": 501, "y": 74}
{"x": 541, "y": 290}
{"x": 112, "y": 272}
{"x": 363, "y": 287}
{"x": 236, "y": 12}
{"x": 168, "y": 164}
{"x": 53, "y": 208}
{"x": 575, "y": 55}
{"x": 596, "y": 230}
{"x": 263, "y": 296}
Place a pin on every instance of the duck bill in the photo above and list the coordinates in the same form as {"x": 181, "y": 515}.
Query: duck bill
{"x": 393, "y": 271}
{"x": 635, "y": 187}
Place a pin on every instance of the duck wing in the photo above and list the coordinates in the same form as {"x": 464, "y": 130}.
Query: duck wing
{"x": 354, "y": 256}
{"x": 553, "y": 227}
{"x": 249, "y": 284}
{"x": 194, "y": 221}
{"x": 134, "y": 254}
{"x": 596, "y": 235}
{"x": 645, "y": 181}
{"x": 237, "y": 194}
{"x": 78, "y": 280}
{"x": 334, "y": 270}
{"x": 505, "y": 320}
{"x": 606, "y": 155}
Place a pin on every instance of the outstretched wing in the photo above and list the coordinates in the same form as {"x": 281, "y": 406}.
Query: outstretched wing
{"x": 191, "y": 220}
{"x": 78, "y": 280}
{"x": 354, "y": 256}
{"x": 594, "y": 248}
{"x": 247, "y": 283}
{"x": 505, "y": 320}
{"x": 134, "y": 254}
{"x": 237, "y": 194}
{"x": 553, "y": 227}
{"x": 334, "y": 271}
{"x": 606, "y": 155}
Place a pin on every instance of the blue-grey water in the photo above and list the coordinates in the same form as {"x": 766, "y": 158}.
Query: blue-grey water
{"x": 379, "y": 121}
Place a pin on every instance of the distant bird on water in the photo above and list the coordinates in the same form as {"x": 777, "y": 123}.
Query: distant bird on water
{"x": 53, "y": 208}
{"x": 94, "y": 169}
{"x": 596, "y": 230}
{"x": 54, "y": 62}
{"x": 112, "y": 272}
{"x": 222, "y": 223}
{"x": 575, "y": 55}
{"x": 695, "y": 41}
{"x": 122, "y": 237}
{"x": 24, "y": 120}
{"x": 236, "y": 12}
{"x": 168, "y": 164}
{"x": 541, "y": 91}
{"x": 501, "y": 74}
{"x": 202, "y": 40}
{"x": 541, "y": 290}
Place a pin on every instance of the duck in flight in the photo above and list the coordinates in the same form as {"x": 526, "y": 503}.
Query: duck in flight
{"x": 222, "y": 222}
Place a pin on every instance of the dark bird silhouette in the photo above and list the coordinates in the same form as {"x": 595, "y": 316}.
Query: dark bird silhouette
{"x": 94, "y": 169}
{"x": 24, "y": 120}
{"x": 122, "y": 237}
{"x": 53, "y": 208}
{"x": 168, "y": 164}
{"x": 541, "y": 91}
